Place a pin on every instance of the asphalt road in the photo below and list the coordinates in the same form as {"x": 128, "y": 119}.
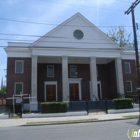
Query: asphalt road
{"x": 109, "y": 130}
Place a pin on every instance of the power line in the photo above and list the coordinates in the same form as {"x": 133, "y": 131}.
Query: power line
{"x": 61, "y": 41}
{"x": 32, "y": 22}
{"x": 5, "y": 34}
{"x": 65, "y": 42}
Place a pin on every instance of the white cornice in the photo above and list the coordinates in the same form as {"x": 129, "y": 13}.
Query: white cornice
{"x": 70, "y": 52}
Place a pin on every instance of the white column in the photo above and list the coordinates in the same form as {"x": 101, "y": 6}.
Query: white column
{"x": 34, "y": 104}
{"x": 65, "y": 83}
{"x": 119, "y": 76}
{"x": 93, "y": 79}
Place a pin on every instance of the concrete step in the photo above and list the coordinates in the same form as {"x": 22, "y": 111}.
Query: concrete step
{"x": 136, "y": 105}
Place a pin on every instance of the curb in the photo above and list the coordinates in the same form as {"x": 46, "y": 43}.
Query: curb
{"x": 65, "y": 122}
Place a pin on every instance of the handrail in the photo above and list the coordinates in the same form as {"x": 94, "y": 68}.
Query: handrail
{"x": 95, "y": 97}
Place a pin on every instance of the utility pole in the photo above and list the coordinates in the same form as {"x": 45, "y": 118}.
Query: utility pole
{"x": 131, "y": 9}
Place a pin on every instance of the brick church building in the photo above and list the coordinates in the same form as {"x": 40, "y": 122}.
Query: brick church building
{"x": 75, "y": 61}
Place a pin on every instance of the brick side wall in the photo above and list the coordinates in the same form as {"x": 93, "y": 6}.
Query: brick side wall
{"x": 12, "y": 77}
{"x": 130, "y": 77}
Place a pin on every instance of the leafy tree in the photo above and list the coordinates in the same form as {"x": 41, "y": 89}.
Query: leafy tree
{"x": 120, "y": 36}
{"x": 3, "y": 90}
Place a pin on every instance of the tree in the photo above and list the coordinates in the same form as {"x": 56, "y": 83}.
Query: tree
{"x": 120, "y": 36}
{"x": 3, "y": 90}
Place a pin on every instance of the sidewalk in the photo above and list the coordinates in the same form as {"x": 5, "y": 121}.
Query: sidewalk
{"x": 68, "y": 119}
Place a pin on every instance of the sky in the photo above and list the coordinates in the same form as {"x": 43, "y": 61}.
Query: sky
{"x": 37, "y": 17}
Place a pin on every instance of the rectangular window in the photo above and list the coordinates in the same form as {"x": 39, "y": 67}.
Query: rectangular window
{"x": 19, "y": 66}
{"x": 18, "y": 88}
{"x": 128, "y": 85}
{"x": 127, "y": 68}
{"x": 50, "y": 71}
{"x": 73, "y": 71}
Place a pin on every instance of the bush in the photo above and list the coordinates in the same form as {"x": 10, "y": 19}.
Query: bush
{"x": 123, "y": 103}
{"x": 54, "y": 107}
{"x": 17, "y": 107}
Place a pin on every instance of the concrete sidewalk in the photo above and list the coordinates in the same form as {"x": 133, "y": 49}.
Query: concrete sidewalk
{"x": 67, "y": 119}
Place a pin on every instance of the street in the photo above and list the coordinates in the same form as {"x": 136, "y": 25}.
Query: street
{"x": 108, "y": 130}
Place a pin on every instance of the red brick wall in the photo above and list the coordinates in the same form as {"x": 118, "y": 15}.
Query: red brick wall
{"x": 112, "y": 80}
{"x": 132, "y": 76}
{"x": 42, "y": 77}
{"x": 12, "y": 77}
{"x": 83, "y": 71}
{"x": 105, "y": 75}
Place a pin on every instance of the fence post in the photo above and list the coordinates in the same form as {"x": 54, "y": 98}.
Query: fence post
{"x": 87, "y": 106}
{"x": 106, "y": 107}
{"x": 21, "y": 110}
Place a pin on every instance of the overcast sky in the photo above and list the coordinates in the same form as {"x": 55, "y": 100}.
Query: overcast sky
{"x": 103, "y": 13}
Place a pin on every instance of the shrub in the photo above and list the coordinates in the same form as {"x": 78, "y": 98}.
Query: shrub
{"x": 123, "y": 103}
{"x": 54, "y": 107}
{"x": 17, "y": 107}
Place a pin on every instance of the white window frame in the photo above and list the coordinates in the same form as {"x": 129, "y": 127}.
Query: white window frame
{"x": 22, "y": 66}
{"x": 129, "y": 68}
{"x": 130, "y": 85}
{"x": 47, "y": 70}
{"x": 70, "y": 70}
{"x": 15, "y": 87}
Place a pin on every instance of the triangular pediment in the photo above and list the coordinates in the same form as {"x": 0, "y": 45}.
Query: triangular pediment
{"x": 76, "y": 32}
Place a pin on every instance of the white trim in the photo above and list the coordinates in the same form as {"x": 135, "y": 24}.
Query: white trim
{"x": 47, "y": 70}
{"x": 98, "y": 82}
{"x": 22, "y": 66}
{"x": 71, "y": 52}
{"x": 15, "y": 87}
{"x": 76, "y": 81}
{"x": 130, "y": 85}
{"x": 50, "y": 83}
{"x": 128, "y": 66}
